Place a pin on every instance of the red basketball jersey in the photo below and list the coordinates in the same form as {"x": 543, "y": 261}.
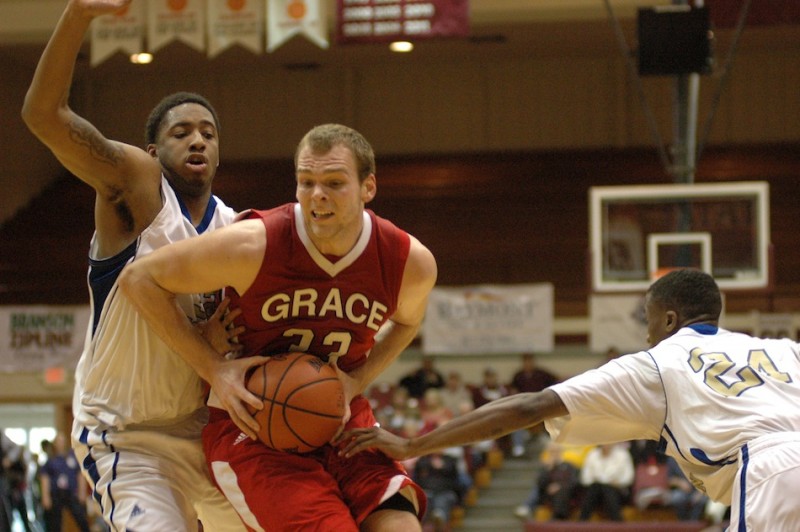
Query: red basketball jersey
{"x": 302, "y": 300}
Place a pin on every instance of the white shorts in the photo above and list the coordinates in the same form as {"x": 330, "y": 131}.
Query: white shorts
{"x": 766, "y": 488}
{"x": 150, "y": 480}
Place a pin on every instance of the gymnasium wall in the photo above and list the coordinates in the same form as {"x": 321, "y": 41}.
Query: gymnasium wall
{"x": 486, "y": 157}
{"x": 568, "y": 86}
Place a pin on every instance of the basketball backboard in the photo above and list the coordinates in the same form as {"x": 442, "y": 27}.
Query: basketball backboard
{"x": 637, "y": 231}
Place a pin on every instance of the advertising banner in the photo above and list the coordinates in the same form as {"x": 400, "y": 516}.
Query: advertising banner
{"x": 34, "y": 338}
{"x": 485, "y": 319}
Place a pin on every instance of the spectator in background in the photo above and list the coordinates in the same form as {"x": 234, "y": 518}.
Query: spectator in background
{"x": 432, "y": 410}
{"x": 646, "y": 452}
{"x": 455, "y": 395}
{"x": 439, "y": 476}
{"x": 47, "y": 453}
{"x": 489, "y": 390}
{"x": 607, "y": 474}
{"x": 401, "y": 408}
{"x": 433, "y": 413}
{"x": 18, "y": 486}
{"x": 529, "y": 378}
{"x": 6, "y": 450}
{"x": 689, "y": 502}
{"x": 13, "y": 484}
{"x": 63, "y": 487}
{"x": 427, "y": 376}
{"x": 555, "y": 484}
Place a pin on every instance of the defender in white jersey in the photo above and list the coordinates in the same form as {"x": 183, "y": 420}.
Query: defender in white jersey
{"x": 139, "y": 407}
{"x": 723, "y": 404}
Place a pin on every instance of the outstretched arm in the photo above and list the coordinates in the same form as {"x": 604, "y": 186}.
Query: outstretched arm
{"x": 494, "y": 419}
{"x": 126, "y": 178}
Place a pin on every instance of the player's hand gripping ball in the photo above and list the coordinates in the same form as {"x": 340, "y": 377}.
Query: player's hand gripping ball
{"x": 303, "y": 402}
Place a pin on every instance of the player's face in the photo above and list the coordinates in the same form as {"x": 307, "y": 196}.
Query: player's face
{"x": 331, "y": 198}
{"x": 188, "y": 147}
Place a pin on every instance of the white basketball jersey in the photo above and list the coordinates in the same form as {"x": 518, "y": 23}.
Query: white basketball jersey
{"x": 126, "y": 374}
{"x": 703, "y": 395}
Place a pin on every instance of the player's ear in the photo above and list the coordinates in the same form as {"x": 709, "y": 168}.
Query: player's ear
{"x": 671, "y": 321}
{"x": 152, "y": 150}
{"x": 369, "y": 187}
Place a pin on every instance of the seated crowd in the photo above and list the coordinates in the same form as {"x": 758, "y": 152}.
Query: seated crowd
{"x": 593, "y": 482}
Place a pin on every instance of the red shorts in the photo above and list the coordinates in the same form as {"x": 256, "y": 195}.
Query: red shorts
{"x": 273, "y": 490}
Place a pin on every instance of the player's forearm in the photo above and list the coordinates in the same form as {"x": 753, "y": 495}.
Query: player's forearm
{"x": 49, "y": 90}
{"x": 163, "y": 314}
{"x": 489, "y": 422}
{"x": 384, "y": 352}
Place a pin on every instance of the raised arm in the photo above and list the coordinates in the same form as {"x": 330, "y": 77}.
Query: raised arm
{"x": 418, "y": 280}
{"x": 492, "y": 420}
{"x": 126, "y": 178}
{"x": 230, "y": 256}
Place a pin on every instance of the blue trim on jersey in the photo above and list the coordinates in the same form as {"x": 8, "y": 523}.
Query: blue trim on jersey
{"x": 102, "y": 276}
{"x": 701, "y": 456}
{"x": 698, "y": 454}
{"x": 113, "y": 478}
{"x": 90, "y": 466}
{"x": 674, "y": 442}
{"x": 743, "y": 487}
{"x": 704, "y": 328}
{"x": 209, "y": 214}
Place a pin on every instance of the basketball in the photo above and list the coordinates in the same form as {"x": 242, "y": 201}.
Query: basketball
{"x": 303, "y": 402}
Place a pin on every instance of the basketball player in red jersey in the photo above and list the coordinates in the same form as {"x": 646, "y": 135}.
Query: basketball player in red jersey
{"x": 322, "y": 275}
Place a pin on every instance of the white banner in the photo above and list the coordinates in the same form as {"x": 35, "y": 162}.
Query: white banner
{"x": 122, "y": 31}
{"x": 233, "y": 22}
{"x": 34, "y": 338}
{"x": 171, "y": 20}
{"x": 486, "y": 319}
{"x": 775, "y": 325}
{"x": 617, "y": 321}
{"x": 287, "y": 18}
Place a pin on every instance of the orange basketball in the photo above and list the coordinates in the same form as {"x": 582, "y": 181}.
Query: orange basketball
{"x": 303, "y": 402}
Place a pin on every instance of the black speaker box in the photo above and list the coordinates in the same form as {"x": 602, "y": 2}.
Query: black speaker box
{"x": 674, "y": 40}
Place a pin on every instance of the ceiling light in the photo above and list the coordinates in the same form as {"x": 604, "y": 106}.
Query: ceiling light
{"x": 142, "y": 58}
{"x": 401, "y": 46}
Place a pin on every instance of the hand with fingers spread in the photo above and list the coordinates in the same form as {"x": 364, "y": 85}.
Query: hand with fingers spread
{"x": 228, "y": 383}
{"x": 356, "y": 440}
{"x": 220, "y": 330}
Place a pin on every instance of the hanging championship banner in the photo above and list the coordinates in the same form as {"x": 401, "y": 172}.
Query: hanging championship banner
{"x": 287, "y": 18}
{"x": 375, "y": 21}
{"x": 176, "y": 20}
{"x": 122, "y": 31}
{"x": 34, "y": 338}
{"x": 486, "y": 319}
{"x": 233, "y": 22}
